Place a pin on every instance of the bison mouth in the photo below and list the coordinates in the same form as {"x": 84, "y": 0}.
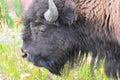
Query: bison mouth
{"x": 50, "y": 65}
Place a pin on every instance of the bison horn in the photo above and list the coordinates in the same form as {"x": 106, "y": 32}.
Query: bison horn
{"x": 52, "y": 13}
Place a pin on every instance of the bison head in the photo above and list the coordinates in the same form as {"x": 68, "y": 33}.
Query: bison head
{"x": 48, "y": 38}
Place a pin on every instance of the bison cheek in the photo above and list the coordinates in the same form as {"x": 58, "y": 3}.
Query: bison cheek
{"x": 42, "y": 63}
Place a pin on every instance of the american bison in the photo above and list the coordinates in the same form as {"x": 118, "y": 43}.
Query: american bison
{"x": 57, "y": 32}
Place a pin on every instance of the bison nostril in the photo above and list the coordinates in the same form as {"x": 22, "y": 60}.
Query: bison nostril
{"x": 24, "y": 53}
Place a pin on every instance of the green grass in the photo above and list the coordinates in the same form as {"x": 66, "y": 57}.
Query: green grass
{"x": 18, "y": 7}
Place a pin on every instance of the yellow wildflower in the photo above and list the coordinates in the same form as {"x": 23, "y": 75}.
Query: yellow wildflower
{"x": 0, "y": 5}
{"x": 3, "y": 13}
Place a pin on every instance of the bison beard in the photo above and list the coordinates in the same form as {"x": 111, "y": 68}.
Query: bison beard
{"x": 52, "y": 40}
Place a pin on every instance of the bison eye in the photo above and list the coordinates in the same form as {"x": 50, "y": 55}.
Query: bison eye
{"x": 42, "y": 28}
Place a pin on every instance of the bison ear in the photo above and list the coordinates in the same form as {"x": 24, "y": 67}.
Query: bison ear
{"x": 69, "y": 14}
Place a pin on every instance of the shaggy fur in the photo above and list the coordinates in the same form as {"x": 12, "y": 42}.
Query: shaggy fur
{"x": 93, "y": 26}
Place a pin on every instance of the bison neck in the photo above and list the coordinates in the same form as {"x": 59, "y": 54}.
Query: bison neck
{"x": 102, "y": 15}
